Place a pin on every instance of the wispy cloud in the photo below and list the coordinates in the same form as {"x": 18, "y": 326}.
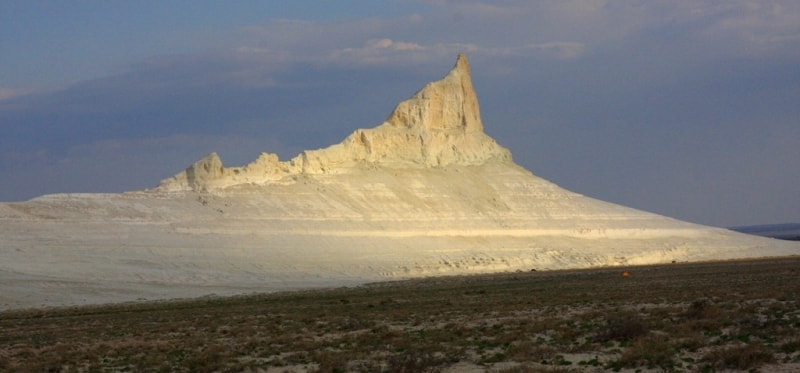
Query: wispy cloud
{"x": 761, "y": 26}
{"x": 769, "y": 26}
{"x": 6, "y": 93}
{"x": 386, "y": 51}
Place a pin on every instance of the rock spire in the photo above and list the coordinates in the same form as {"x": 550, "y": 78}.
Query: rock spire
{"x": 449, "y": 104}
{"x": 440, "y": 125}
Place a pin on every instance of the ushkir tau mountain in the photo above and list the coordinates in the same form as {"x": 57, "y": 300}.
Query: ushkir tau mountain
{"x": 425, "y": 193}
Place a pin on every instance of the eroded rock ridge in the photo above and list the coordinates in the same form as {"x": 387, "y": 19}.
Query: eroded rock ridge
{"x": 438, "y": 126}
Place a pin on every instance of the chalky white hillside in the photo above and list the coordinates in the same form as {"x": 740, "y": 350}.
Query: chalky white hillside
{"x": 425, "y": 193}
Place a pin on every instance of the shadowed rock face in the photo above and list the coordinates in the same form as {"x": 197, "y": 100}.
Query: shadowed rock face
{"x": 424, "y": 193}
{"x": 438, "y": 126}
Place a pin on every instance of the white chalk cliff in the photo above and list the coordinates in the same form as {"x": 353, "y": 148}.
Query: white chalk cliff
{"x": 439, "y": 126}
{"x": 427, "y": 192}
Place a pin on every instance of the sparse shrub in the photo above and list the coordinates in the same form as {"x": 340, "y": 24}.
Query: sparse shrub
{"x": 691, "y": 341}
{"x": 413, "y": 361}
{"x": 329, "y": 361}
{"x": 701, "y": 309}
{"x": 210, "y": 359}
{"x": 529, "y": 369}
{"x": 519, "y": 369}
{"x": 622, "y": 328}
{"x": 791, "y": 346}
{"x": 593, "y": 362}
{"x": 652, "y": 352}
{"x": 739, "y": 357}
{"x": 528, "y": 351}
{"x": 494, "y": 358}
{"x": 300, "y": 357}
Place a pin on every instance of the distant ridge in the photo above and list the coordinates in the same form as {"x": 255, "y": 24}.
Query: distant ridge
{"x": 786, "y": 231}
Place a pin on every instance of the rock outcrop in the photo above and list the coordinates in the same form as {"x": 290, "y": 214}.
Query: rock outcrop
{"x": 438, "y": 126}
{"x": 424, "y": 193}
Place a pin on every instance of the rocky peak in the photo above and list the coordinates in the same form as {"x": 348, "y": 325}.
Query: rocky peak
{"x": 448, "y": 104}
{"x": 440, "y": 125}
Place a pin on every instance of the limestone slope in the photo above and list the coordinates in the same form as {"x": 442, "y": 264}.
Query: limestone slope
{"x": 424, "y": 193}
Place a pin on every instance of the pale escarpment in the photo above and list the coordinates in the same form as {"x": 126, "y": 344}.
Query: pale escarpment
{"x": 425, "y": 193}
{"x": 438, "y": 126}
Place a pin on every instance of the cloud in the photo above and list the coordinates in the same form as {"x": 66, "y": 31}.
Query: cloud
{"x": 388, "y": 52}
{"x": 393, "y": 45}
{"x": 410, "y": 39}
{"x": 559, "y": 49}
{"x": 305, "y": 40}
{"x": 742, "y": 27}
{"x": 482, "y": 9}
{"x": 7, "y": 93}
{"x": 769, "y": 26}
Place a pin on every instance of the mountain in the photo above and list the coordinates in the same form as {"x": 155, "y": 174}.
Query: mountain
{"x": 426, "y": 192}
{"x": 786, "y": 231}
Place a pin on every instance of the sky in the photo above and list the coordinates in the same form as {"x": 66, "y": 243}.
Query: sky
{"x": 689, "y": 109}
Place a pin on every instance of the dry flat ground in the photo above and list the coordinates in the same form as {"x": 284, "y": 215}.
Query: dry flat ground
{"x": 738, "y": 315}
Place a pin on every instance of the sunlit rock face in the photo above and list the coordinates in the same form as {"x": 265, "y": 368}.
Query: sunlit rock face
{"x": 439, "y": 126}
{"x": 426, "y": 192}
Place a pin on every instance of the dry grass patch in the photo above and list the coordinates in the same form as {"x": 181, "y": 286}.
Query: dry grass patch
{"x": 680, "y": 317}
{"x": 742, "y": 357}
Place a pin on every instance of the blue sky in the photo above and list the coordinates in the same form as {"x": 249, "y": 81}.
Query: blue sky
{"x": 689, "y": 109}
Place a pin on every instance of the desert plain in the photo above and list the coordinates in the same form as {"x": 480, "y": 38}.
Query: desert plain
{"x": 713, "y": 316}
